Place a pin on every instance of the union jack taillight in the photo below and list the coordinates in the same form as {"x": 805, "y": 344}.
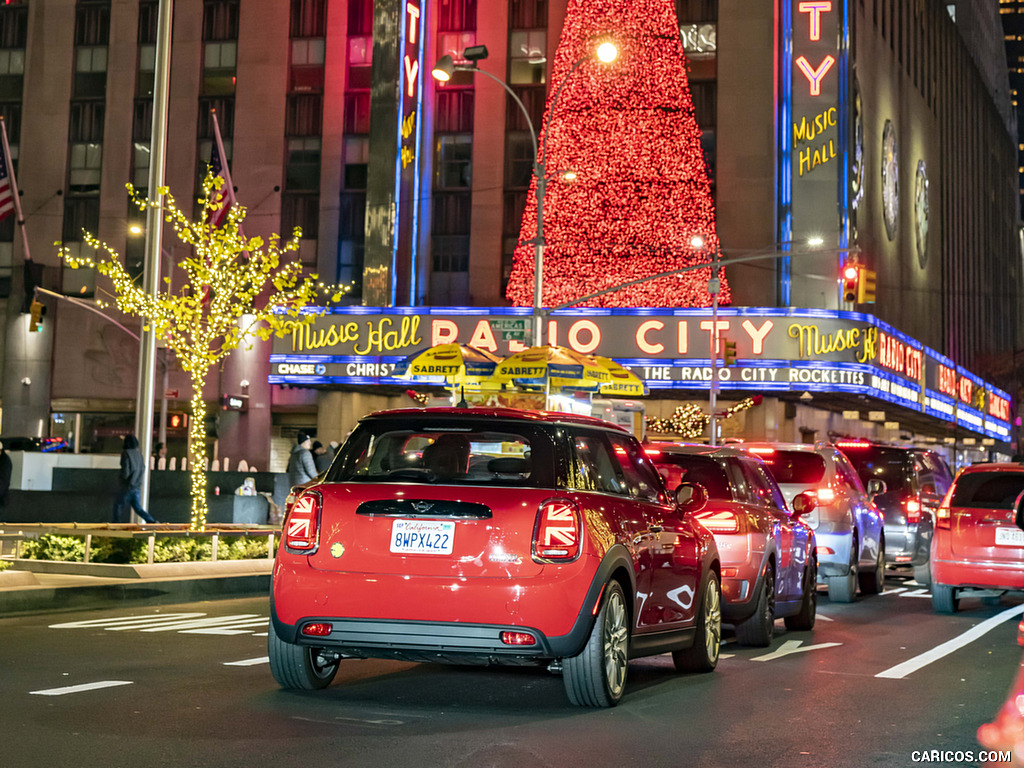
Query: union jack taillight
{"x": 556, "y": 534}
{"x": 302, "y": 526}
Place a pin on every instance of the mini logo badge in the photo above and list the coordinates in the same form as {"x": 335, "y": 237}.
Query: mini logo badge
{"x": 508, "y": 558}
{"x": 337, "y": 549}
{"x": 422, "y": 506}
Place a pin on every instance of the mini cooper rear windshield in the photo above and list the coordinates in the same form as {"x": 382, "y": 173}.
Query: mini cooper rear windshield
{"x": 987, "y": 490}
{"x": 441, "y": 451}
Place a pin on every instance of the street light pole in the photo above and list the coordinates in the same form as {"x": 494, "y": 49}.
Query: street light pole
{"x": 714, "y": 286}
{"x": 606, "y": 52}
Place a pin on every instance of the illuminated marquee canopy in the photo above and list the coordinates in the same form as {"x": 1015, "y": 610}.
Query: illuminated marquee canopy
{"x": 779, "y": 350}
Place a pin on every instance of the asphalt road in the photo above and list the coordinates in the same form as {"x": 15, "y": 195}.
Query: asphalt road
{"x": 189, "y": 685}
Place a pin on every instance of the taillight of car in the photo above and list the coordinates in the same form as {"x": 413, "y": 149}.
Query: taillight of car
{"x": 852, "y": 444}
{"x": 913, "y": 507}
{"x": 942, "y": 517}
{"x": 761, "y": 451}
{"x": 824, "y": 551}
{"x": 321, "y": 629}
{"x": 719, "y": 522}
{"x": 518, "y": 638}
{"x": 556, "y": 533}
{"x": 825, "y": 496}
{"x": 302, "y": 526}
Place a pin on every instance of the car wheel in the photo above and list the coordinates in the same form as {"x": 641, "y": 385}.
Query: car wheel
{"x": 944, "y": 598}
{"x": 597, "y": 676}
{"x": 872, "y": 582}
{"x": 843, "y": 589}
{"x": 702, "y": 656}
{"x": 808, "y": 604}
{"x": 923, "y": 574}
{"x": 759, "y": 629}
{"x": 300, "y": 667}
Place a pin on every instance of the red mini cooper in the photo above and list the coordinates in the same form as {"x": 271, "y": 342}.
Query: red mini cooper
{"x": 493, "y": 536}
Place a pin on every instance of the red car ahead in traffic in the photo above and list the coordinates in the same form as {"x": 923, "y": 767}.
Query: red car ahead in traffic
{"x": 493, "y": 536}
{"x": 977, "y": 547}
{"x": 769, "y": 562}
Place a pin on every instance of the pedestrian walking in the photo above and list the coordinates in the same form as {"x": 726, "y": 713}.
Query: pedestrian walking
{"x": 5, "y": 478}
{"x": 301, "y": 467}
{"x": 132, "y": 470}
{"x": 322, "y": 458}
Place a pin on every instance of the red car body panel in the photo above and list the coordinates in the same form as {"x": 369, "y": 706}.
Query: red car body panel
{"x": 964, "y": 551}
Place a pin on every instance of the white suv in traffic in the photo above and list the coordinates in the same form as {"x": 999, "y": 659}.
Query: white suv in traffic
{"x": 848, "y": 526}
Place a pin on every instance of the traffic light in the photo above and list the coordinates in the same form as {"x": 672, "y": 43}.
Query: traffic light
{"x": 36, "y": 310}
{"x": 851, "y": 278}
{"x": 866, "y": 287}
{"x": 728, "y": 351}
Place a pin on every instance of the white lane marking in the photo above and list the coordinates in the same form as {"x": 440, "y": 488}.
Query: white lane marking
{"x": 126, "y": 622}
{"x": 210, "y": 621}
{"x": 239, "y": 628}
{"x": 790, "y": 647}
{"x": 80, "y": 688}
{"x": 248, "y": 662}
{"x": 823, "y": 617}
{"x": 917, "y": 593}
{"x": 726, "y": 655}
{"x": 912, "y": 665}
{"x": 896, "y": 591}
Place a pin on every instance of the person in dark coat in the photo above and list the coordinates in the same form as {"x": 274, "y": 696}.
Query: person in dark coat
{"x": 5, "y": 478}
{"x": 301, "y": 467}
{"x": 322, "y": 458}
{"x": 132, "y": 470}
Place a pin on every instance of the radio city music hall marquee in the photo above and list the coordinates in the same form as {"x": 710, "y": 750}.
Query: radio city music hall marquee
{"x": 779, "y": 350}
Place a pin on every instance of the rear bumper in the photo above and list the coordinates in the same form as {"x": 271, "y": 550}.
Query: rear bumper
{"x": 908, "y": 544}
{"x": 984, "y": 575}
{"x": 838, "y": 562}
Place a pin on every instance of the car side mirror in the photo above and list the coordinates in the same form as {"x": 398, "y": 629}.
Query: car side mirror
{"x": 876, "y": 487}
{"x": 1018, "y": 511}
{"x": 691, "y": 497}
{"x": 803, "y": 503}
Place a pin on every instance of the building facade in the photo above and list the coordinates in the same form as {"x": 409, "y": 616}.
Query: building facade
{"x": 913, "y": 172}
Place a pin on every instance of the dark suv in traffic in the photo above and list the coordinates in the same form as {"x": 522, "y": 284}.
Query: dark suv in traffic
{"x": 916, "y": 480}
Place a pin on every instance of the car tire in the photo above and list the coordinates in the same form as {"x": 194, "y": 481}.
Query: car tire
{"x": 804, "y": 620}
{"x": 759, "y": 629}
{"x": 299, "y": 667}
{"x": 596, "y": 677}
{"x": 944, "y": 598}
{"x": 923, "y": 574}
{"x": 873, "y": 582}
{"x": 702, "y": 656}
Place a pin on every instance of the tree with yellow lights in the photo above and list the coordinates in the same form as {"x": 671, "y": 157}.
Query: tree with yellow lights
{"x": 236, "y": 289}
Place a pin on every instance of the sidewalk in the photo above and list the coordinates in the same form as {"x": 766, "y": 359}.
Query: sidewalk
{"x": 24, "y": 592}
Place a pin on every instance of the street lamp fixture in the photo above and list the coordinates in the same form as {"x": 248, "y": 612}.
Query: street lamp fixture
{"x": 605, "y": 52}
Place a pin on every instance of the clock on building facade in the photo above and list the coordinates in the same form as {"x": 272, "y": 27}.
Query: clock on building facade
{"x": 890, "y": 179}
{"x": 921, "y": 213}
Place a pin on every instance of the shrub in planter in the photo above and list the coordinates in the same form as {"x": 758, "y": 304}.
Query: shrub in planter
{"x": 50, "y": 546}
{"x": 4, "y": 565}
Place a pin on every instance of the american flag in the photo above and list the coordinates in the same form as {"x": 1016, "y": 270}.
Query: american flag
{"x": 6, "y": 195}
{"x": 225, "y": 196}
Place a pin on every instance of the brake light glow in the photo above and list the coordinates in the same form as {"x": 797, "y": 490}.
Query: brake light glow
{"x": 556, "y": 533}
{"x": 318, "y": 630}
{"x": 942, "y": 517}
{"x": 302, "y": 527}
{"x": 913, "y": 510}
{"x": 852, "y": 444}
{"x": 730, "y": 573}
{"x": 652, "y": 451}
{"x": 720, "y": 522}
{"x": 825, "y": 551}
{"x": 763, "y": 451}
{"x": 825, "y": 496}
{"x": 518, "y": 638}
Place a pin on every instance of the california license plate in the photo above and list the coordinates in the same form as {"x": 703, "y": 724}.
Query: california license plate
{"x": 1011, "y": 537}
{"x": 424, "y": 537}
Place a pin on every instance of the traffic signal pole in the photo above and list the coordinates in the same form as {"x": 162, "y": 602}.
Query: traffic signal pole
{"x": 714, "y": 286}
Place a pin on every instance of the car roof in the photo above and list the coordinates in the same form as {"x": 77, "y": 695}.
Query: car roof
{"x": 807, "y": 447}
{"x": 698, "y": 449}
{"x": 547, "y": 417}
{"x": 994, "y": 467}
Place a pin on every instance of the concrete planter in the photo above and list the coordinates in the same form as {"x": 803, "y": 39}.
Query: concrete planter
{"x": 11, "y": 578}
{"x": 146, "y": 571}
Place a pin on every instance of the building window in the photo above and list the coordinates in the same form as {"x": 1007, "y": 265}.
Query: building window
{"x": 360, "y": 17}
{"x": 12, "y": 72}
{"x": 308, "y": 18}
{"x": 219, "y": 62}
{"x": 145, "y": 77}
{"x": 357, "y": 113}
{"x": 140, "y": 165}
{"x": 302, "y": 170}
{"x": 13, "y": 25}
{"x": 225, "y": 109}
{"x": 307, "y": 65}
{"x": 454, "y": 113}
{"x": 304, "y": 115}
{"x": 453, "y": 161}
{"x": 524, "y": 14}
{"x": 11, "y": 113}
{"x": 527, "y": 56}
{"x": 81, "y": 214}
{"x": 688, "y": 11}
{"x": 92, "y": 23}
{"x": 455, "y": 15}
{"x": 220, "y": 20}
{"x": 84, "y": 165}
{"x": 519, "y": 160}
{"x": 357, "y": 160}
{"x": 454, "y": 44}
{"x": 148, "y": 19}
{"x": 301, "y": 211}
{"x": 90, "y": 72}
{"x": 86, "y": 121}
{"x": 351, "y": 241}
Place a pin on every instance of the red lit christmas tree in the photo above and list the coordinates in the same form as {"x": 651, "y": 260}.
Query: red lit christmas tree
{"x": 641, "y": 191}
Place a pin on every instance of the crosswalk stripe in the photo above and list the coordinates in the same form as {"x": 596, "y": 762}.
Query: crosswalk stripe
{"x": 248, "y": 662}
{"x": 80, "y": 688}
